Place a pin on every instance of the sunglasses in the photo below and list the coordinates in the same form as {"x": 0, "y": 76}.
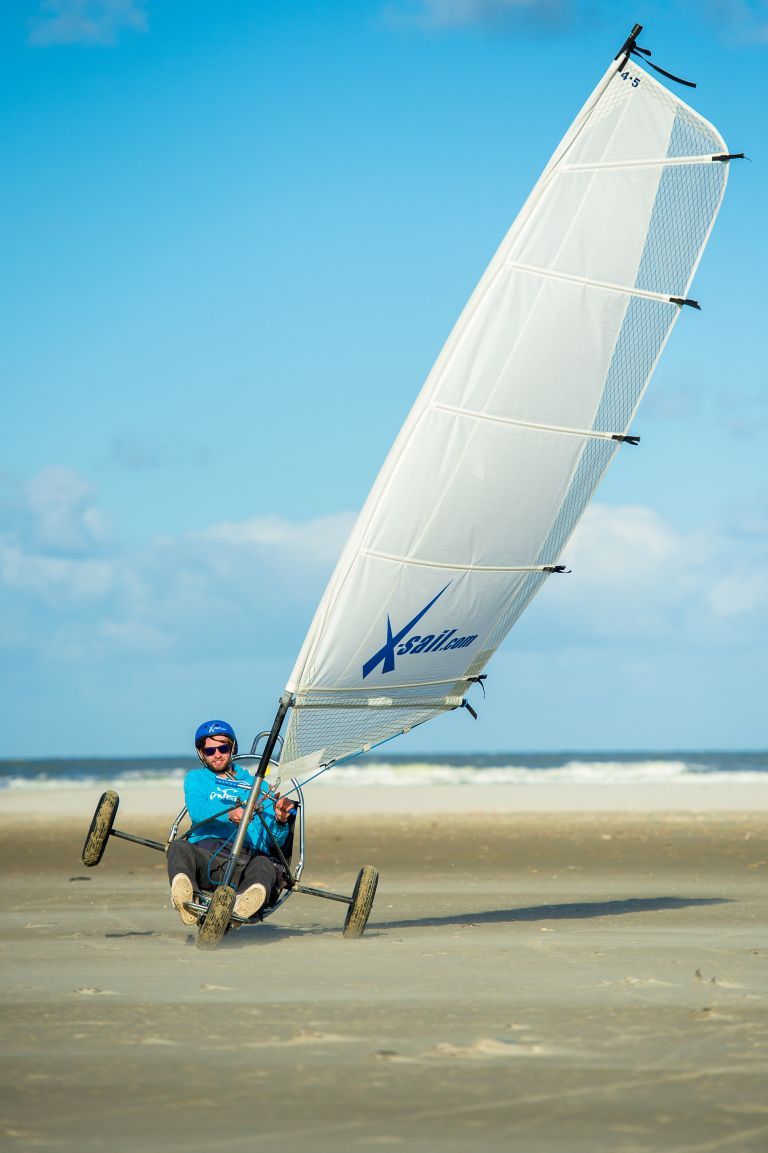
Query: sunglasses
{"x": 212, "y": 750}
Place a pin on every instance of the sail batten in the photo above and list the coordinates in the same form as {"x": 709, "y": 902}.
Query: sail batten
{"x": 473, "y": 415}
{"x": 317, "y": 692}
{"x": 521, "y": 415}
{"x": 625, "y": 289}
{"x": 467, "y": 566}
{"x": 655, "y": 162}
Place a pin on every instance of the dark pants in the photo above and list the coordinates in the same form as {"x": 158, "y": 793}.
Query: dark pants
{"x": 204, "y": 863}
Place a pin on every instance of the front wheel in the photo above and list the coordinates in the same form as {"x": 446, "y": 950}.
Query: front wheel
{"x": 362, "y": 902}
{"x": 101, "y": 827}
{"x": 216, "y": 920}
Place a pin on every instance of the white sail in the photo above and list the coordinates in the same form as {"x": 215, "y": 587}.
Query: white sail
{"x": 516, "y": 423}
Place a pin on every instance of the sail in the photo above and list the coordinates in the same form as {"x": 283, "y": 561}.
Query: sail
{"x": 530, "y": 398}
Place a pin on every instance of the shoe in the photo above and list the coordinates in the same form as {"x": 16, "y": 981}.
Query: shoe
{"x": 181, "y": 891}
{"x": 249, "y": 902}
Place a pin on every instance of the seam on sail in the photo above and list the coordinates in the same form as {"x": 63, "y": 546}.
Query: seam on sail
{"x": 622, "y": 288}
{"x": 662, "y": 161}
{"x": 459, "y": 567}
{"x": 525, "y": 423}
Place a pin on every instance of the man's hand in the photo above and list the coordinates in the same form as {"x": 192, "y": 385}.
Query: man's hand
{"x": 283, "y": 809}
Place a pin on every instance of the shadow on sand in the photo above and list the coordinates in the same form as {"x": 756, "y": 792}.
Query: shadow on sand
{"x": 579, "y": 910}
{"x": 272, "y": 933}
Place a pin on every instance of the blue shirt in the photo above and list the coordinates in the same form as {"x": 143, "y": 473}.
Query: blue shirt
{"x": 207, "y": 793}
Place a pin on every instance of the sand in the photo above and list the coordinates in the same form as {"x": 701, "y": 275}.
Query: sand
{"x": 553, "y": 981}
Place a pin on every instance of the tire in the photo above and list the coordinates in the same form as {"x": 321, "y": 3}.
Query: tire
{"x": 216, "y": 920}
{"x": 362, "y": 902}
{"x": 101, "y": 826}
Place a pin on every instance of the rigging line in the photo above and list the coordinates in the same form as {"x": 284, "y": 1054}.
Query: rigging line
{"x": 622, "y": 288}
{"x": 664, "y": 161}
{"x": 544, "y": 568}
{"x": 300, "y": 784}
{"x": 588, "y": 432}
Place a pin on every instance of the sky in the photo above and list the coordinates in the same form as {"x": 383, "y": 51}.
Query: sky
{"x": 237, "y": 233}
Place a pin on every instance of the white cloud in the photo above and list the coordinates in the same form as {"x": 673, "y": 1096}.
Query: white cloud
{"x": 318, "y": 541}
{"x": 740, "y": 595}
{"x": 635, "y": 575}
{"x": 249, "y": 588}
{"x": 242, "y": 586}
{"x": 57, "y": 580}
{"x": 254, "y": 582}
{"x": 92, "y": 22}
{"x": 59, "y": 512}
{"x": 134, "y": 637}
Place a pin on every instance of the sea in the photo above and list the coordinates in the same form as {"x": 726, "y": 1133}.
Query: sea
{"x": 459, "y": 769}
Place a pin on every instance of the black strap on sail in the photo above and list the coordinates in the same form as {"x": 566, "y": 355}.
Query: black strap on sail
{"x": 682, "y": 300}
{"x": 644, "y": 53}
{"x": 479, "y": 681}
{"x": 630, "y": 47}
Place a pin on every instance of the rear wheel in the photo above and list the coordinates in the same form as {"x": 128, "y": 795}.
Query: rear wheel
{"x": 362, "y": 902}
{"x": 101, "y": 826}
{"x": 216, "y": 920}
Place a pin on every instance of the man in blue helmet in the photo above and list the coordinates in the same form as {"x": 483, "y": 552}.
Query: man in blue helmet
{"x": 198, "y": 862}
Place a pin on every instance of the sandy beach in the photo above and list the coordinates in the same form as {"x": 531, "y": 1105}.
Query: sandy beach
{"x": 565, "y": 980}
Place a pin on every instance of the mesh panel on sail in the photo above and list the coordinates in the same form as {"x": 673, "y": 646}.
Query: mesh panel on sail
{"x": 641, "y": 339}
{"x": 686, "y": 202}
{"x": 594, "y": 461}
{"x": 518, "y": 605}
{"x": 691, "y": 136}
{"x": 346, "y": 723}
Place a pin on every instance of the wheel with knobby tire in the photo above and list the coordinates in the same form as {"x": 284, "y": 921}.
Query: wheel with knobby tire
{"x": 101, "y": 826}
{"x": 362, "y": 902}
{"x": 216, "y": 921}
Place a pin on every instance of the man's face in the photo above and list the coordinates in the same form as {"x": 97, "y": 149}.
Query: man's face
{"x": 217, "y": 753}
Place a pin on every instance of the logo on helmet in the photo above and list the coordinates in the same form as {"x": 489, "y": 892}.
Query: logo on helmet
{"x": 215, "y": 728}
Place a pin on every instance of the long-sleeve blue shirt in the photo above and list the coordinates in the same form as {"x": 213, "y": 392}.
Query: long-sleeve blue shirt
{"x": 207, "y": 793}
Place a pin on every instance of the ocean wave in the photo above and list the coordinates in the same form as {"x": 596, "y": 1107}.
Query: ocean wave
{"x": 145, "y": 778}
{"x": 434, "y": 772}
{"x": 573, "y": 772}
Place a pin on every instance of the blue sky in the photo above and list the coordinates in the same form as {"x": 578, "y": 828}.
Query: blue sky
{"x": 236, "y": 236}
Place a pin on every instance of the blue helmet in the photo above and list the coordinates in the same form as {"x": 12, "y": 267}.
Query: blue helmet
{"x": 215, "y": 729}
